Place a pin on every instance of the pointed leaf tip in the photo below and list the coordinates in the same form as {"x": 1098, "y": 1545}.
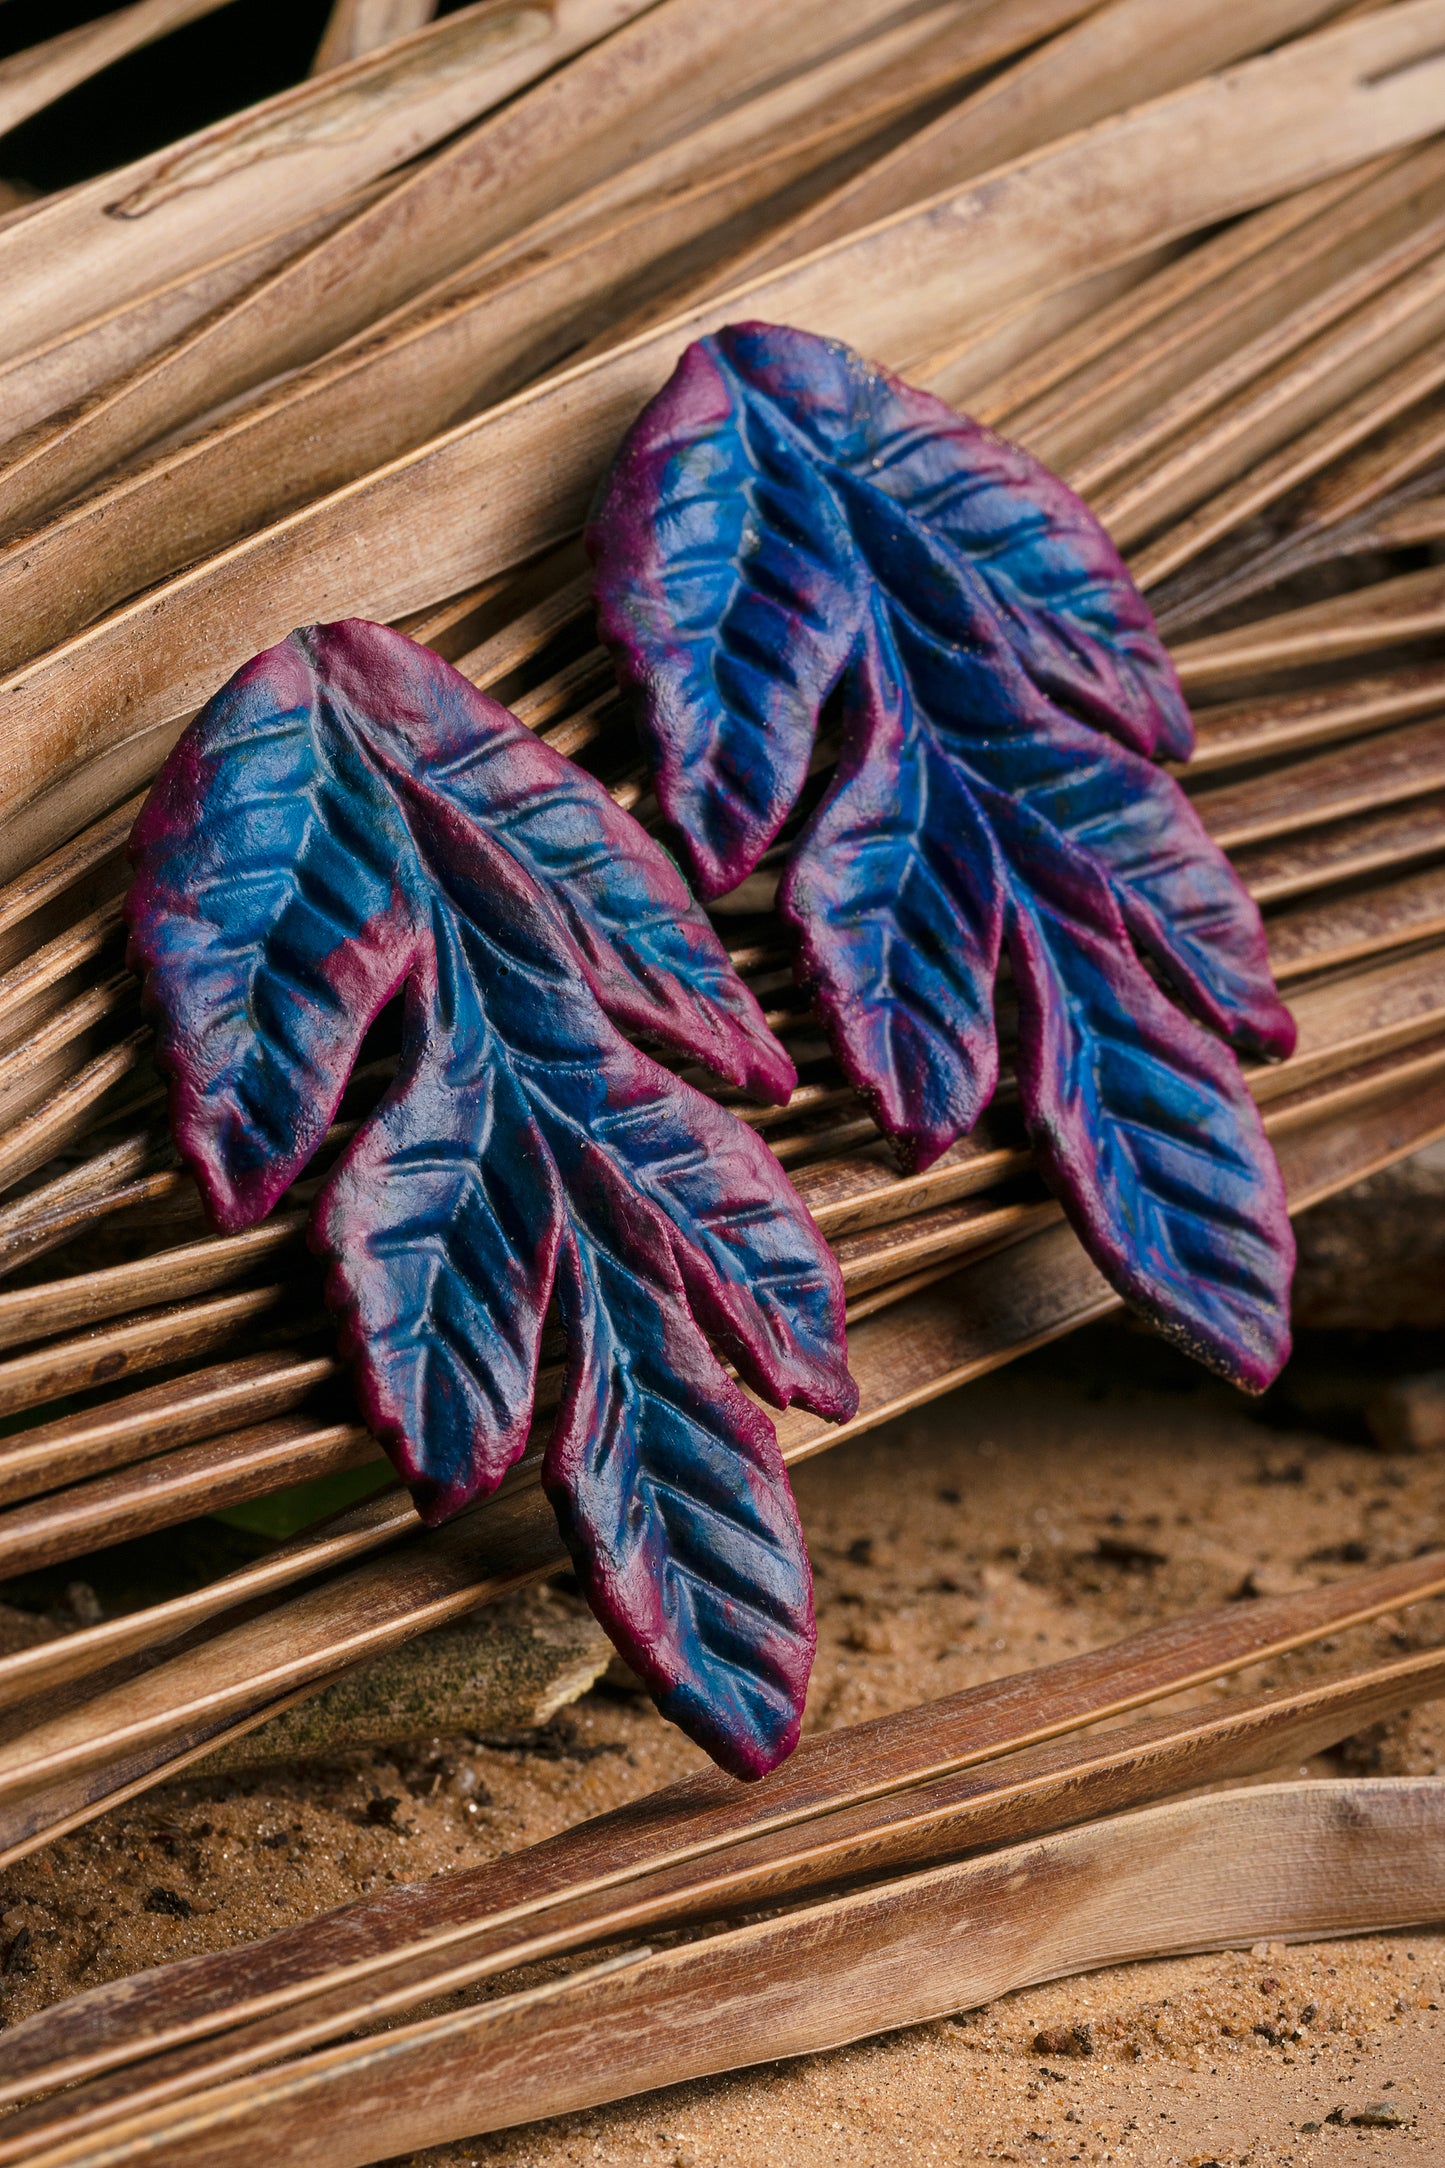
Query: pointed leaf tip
{"x": 350, "y": 820}
{"x": 785, "y": 523}
{"x": 727, "y": 594}
{"x": 673, "y": 1499}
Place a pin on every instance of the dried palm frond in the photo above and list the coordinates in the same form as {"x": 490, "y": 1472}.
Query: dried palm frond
{"x": 1299, "y": 1860}
{"x": 31, "y": 80}
{"x": 875, "y": 1812}
{"x": 355, "y": 27}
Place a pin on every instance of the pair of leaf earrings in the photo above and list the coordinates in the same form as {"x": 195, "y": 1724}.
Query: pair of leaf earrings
{"x": 787, "y": 537}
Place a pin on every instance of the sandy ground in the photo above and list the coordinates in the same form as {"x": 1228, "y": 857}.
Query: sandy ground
{"x": 1096, "y": 1488}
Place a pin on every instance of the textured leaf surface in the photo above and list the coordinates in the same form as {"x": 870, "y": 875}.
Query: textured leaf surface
{"x": 349, "y": 820}
{"x": 787, "y": 530}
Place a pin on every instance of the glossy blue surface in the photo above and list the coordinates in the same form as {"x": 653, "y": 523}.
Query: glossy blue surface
{"x": 791, "y": 537}
{"x": 350, "y": 820}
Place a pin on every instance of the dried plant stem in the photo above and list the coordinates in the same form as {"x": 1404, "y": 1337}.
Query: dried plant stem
{"x": 427, "y": 1581}
{"x": 56, "y": 960}
{"x": 175, "y": 1274}
{"x": 1392, "y": 613}
{"x": 1019, "y": 1794}
{"x": 1368, "y": 1090}
{"x": 1132, "y": 49}
{"x": 1279, "y": 378}
{"x": 176, "y": 1486}
{"x": 355, "y": 27}
{"x": 92, "y": 1178}
{"x": 1368, "y": 498}
{"x": 1291, "y": 1859}
{"x": 871, "y": 81}
{"x": 1270, "y": 724}
{"x": 1276, "y": 123}
{"x": 56, "y": 1048}
{"x": 1311, "y": 386}
{"x": 1254, "y": 293}
{"x": 27, "y": 1236}
{"x": 1298, "y": 460}
{"x": 1340, "y": 1024}
{"x": 1409, "y": 909}
{"x": 32, "y": 80}
{"x": 101, "y": 245}
{"x": 1384, "y": 770}
{"x": 860, "y": 88}
{"x": 876, "y": 1770}
{"x": 1355, "y": 1016}
{"x": 407, "y": 376}
{"x": 469, "y": 341}
{"x": 1175, "y": 305}
{"x": 1218, "y": 379}
{"x": 71, "y": 364}
{"x": 1073, "y": 77}
{"x": 1372, "y": 843}
{"x": 963, "y": 369}
{"x": 159, "y": 1418}
{"x": 370, "y": 1527}
{"x": 62, "y": 869}
{"x": 512, "y": 1667}
{"x": 679, "y": 61}
{"x": 1310, "y": 825}
{"x": 68, "y": 1112}
{"x": 175, "y": 1333}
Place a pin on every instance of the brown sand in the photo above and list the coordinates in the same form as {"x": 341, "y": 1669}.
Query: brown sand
{"x": 1094, "y": 1489}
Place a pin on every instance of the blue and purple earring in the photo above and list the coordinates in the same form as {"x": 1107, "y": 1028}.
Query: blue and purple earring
{"x": 791, "y": 537}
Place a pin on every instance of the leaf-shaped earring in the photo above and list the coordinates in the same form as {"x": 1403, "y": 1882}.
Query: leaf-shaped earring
{"x": 784, "y": 522}
{"x": 350, "y": 820}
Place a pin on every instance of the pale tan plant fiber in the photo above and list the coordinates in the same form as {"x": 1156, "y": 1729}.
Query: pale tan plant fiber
{"x": 106, "y": 241}
{"x": 31, "y": 80}
{"x": 492, "y": 256}
{"x": 1121, "y": 54}
{"x": 61, "y": 371}
{"x": 905, "y": 1788}
{"x": 1275, "y": 123}
{"x": 355, "y": 27}
{"x": 1277, "y": 1861}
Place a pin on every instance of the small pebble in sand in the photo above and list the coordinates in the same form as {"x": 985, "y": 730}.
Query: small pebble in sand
{"x": 1379, "y": 2115}
{"x": 1064, "y": 2040}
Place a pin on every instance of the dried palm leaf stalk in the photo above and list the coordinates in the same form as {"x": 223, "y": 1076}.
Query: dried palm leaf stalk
{"x": 355, "y": 27}
{"x": 882, "y": 1764}
{"x": 1287, "y": 1860}
{"x": 34, "y": 79}
{"x": 907, "y": 1792}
